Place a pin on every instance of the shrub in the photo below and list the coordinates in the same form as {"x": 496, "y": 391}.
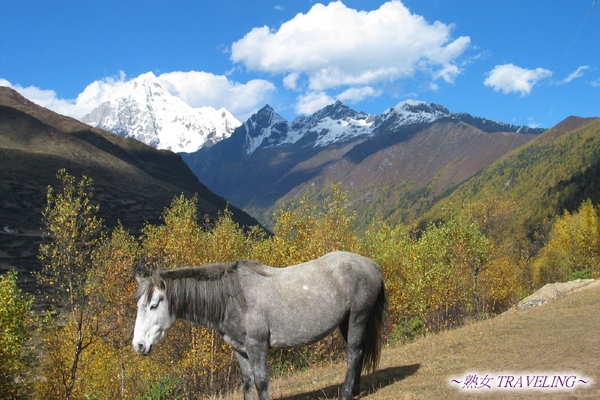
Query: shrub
{"x": 15, "y": 325}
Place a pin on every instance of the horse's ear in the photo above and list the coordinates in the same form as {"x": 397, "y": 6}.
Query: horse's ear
{"x": 140, "y": 269}
{"x": 158, "y": 282}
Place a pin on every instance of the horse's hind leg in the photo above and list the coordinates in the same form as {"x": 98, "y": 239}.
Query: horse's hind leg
{"x": 356, "y": 352}
{"x": 247, "y": 376}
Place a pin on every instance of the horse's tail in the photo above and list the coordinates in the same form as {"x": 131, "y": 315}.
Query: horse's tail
{"x": 374, "y": 334}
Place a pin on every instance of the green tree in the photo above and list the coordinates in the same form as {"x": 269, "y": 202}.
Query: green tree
{"x": 15, "y": 328}
{"x": 72, "y": 233}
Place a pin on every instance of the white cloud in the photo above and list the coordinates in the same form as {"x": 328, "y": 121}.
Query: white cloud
{"x": 336, "y": 46}
{"x": 197, "y": 89}
{"x": 509, "y": 78}
{"x": 200, "y": 89}
{"x": 578, "y": 73}
{"x": 44, "y": 98}
{"x": 291, "y": 81}
{"x": 355, "y": 95}
{"x": 313, "y": 101}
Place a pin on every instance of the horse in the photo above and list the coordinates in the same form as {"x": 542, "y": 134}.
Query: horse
{"x": 256, "y": 307}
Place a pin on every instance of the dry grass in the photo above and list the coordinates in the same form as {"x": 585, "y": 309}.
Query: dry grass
{"x": 563, "y": 336}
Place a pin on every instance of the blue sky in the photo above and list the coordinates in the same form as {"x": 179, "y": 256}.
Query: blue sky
{"x": 528, "y": 62}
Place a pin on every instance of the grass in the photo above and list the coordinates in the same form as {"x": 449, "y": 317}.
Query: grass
{"x": 560, "y": 337}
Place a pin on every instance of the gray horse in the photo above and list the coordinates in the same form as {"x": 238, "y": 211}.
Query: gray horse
{"x": 256, "y": 307}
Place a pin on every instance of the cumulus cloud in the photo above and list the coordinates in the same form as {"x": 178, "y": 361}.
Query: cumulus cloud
{"x": 509, "y": 78}
{"x": 200, "y": 89}
{"x": 197, "y": 89}
{"x": 335, "y": 46}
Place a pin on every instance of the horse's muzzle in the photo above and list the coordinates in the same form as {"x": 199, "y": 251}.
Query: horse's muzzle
{"x": 141, "y": 349}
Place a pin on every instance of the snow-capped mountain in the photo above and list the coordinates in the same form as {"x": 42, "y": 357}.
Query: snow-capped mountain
{"x": 266, "y": 128}
{"x": 337, "y": 123}
{"x": 149, "y": 113}
{"x": 333, "y": 124}
{"x": 410, "y": 112}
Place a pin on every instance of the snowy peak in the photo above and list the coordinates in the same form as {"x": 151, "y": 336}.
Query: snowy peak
{"x": 411, "y": 112}
{"x": 334, "y": 123}
{"x": 266, "y": 128}
{"x": 339, "y": 110}
{"x": 146, "y": 111}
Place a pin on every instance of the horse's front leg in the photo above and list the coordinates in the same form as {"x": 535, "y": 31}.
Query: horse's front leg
{"x": 257, "y": 354}
{"x": 247, "y": 375}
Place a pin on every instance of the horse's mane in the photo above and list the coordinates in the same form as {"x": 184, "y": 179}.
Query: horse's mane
{"x": 204, "y": 293}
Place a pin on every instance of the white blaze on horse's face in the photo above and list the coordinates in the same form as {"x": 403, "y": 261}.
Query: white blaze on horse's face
{"x": 153, "y": 320}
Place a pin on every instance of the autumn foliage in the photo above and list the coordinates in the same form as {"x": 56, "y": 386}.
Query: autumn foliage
{"x": 474, "y": 262}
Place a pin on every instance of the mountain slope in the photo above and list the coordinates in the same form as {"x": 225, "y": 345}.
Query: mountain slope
{"x": 399, "y": 160}
{"x": 133, "y": 182}
{"x": 555, "y": 171}
{"x": 146, "y": 111}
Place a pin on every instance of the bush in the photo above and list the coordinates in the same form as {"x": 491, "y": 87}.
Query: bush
{"x": 15, "y": 325}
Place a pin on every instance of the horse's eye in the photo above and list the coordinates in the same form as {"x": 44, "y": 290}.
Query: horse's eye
{"x": 154, "y": 306}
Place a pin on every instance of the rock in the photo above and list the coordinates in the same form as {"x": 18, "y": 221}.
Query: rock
{"x": 556, "y": 291}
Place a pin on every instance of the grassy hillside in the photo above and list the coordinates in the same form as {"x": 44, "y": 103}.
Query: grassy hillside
{"x": 555, "y": 171}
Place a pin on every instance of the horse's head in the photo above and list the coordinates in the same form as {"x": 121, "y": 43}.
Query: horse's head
{"x": 154, "y": 314}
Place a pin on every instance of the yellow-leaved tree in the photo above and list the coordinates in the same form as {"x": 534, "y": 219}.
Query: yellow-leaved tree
{"x": 71, "y": 234}
{"x": 573, "y": 248}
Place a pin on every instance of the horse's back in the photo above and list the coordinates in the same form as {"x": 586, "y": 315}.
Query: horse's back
{"x": 304, "y": 302}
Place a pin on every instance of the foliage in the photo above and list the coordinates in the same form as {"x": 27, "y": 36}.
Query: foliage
{"x": 201, "y": 354}
{"x": 444, "y": 268}
{"x": 15, "y": 326}
{"x": 573, "y": 248}
{"x": 308, "y": 230}
{"x": 475, "y": 260}
{"x": 390, "y": 247}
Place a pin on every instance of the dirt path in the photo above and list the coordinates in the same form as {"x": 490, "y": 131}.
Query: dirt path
{"x": 560, "y": 338}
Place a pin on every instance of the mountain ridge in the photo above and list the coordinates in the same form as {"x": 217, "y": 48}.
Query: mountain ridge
{"x": 268, "y": 161}
{"x": 337, "y": 123}
{"x": 145, "y": 109}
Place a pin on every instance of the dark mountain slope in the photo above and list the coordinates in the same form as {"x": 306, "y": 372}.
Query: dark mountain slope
{"x": 133, "y": 182}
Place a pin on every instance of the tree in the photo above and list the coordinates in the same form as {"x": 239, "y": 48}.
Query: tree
{"x": 573, "y": 248}
{"x": 15, "y": 325}
{"x": 72, "y": 233}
